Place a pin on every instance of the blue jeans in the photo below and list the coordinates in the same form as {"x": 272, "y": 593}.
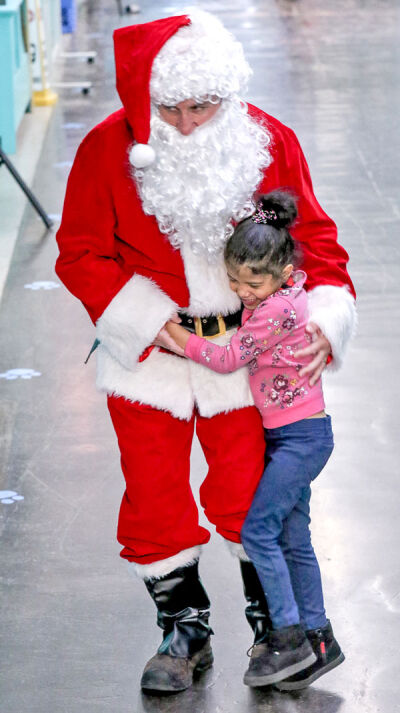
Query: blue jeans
{"x": 276, "y": 534}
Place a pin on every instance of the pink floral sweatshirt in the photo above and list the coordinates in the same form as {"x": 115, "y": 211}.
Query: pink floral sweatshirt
{"x": 265, "y": 343}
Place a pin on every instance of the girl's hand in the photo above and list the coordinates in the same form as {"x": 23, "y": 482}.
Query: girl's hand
{"x": 165, "y": 340}
{"x": 320, "y": 348}
{"x": 178, "y": 334}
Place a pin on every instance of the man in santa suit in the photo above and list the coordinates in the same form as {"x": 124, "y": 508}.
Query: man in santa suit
{"x": 153, "y": 194}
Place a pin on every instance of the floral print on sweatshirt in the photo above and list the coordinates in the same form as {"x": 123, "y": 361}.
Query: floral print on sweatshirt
{"x": 266, "y": 343}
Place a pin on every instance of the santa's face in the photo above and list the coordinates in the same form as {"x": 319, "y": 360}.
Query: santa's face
{"x": 208, "y": 164}
{"x": 188, "y": 114}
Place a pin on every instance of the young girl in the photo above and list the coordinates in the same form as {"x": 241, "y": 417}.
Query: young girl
{"x": 259, "y": 259}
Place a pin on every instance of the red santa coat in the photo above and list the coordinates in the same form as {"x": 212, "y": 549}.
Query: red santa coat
{"x": 131, "y": 280}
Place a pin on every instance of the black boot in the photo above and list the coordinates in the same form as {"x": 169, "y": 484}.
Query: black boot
{"x": 328, "y": 653}
{"x": 183, "y": 613}
{"x": 257, "y": 613}
{"x": 287, "y": 652}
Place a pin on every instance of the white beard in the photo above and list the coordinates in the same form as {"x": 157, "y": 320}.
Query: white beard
{"x": 200, "y": 183}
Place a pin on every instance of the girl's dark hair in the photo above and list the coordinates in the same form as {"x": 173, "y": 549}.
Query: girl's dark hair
{"x": 266, "y": 247}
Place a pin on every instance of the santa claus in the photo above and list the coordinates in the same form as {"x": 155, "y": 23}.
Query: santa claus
{"x": 153, "y": 194}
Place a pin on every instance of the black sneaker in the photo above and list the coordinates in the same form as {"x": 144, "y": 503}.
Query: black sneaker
{"x": 287, "y": 652}
{"x": 329, "y": 655}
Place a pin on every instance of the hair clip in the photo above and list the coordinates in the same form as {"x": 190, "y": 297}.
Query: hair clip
{"x": 263, "y": 216}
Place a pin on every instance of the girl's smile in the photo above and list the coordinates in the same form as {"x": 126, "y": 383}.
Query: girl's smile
{"x": 253, "y": 289}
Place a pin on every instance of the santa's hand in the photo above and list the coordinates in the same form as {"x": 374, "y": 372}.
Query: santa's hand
{"x": 163, "y": 339}
{"x": 320, "y": 348}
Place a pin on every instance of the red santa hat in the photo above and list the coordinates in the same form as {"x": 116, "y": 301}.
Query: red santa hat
{"x": 135, "y": 49}
{"x": 172, "y": 59}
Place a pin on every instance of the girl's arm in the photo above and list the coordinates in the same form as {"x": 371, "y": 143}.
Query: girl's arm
{"x": 179, "y": 334}
{"x": 246, "y": 344}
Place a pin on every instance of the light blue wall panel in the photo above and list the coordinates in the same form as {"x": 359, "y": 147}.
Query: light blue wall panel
{"x": 15, "y": 79}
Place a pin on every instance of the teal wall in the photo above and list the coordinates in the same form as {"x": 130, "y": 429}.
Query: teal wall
{"x": 15, "y": 74}
{"x": 15, "y": 78}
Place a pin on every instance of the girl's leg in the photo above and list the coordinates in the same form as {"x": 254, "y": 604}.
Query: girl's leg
{"x": 287, "y": 650}
{"x": 295, "y": 455}
{"x": 296, "y": 537}
{"x": 276, "y": 495}
{"x": 303, "y": 565}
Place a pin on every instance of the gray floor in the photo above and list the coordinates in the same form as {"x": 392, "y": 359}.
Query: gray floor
{"x": 76, "y": 630}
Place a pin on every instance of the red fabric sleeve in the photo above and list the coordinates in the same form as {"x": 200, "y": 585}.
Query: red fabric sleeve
{"x": 86, "y": 263}
{"x": 323, "y": 259}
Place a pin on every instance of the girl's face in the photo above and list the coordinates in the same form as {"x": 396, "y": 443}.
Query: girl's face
{"x": 253, "y": 289}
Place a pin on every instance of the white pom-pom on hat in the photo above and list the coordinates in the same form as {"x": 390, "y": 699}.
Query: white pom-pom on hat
{"x": 142, "y": 155}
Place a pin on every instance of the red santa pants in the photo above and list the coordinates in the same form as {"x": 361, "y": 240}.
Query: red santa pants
{"x": 158, "y": 516}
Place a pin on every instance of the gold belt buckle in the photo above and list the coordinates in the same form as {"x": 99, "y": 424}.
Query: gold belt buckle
{"x": 199, "y": 327}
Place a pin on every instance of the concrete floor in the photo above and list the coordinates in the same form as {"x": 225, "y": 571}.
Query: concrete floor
{"x": 75, "y": 629}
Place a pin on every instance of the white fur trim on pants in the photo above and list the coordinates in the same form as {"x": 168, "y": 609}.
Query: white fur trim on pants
{"x": 156, "y": 570}
{"x": 237, "y": 550}
{"x": 333, "y": 309}
{"x": 133, "y": 318}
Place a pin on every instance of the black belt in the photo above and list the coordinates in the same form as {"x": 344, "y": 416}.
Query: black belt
{"x": 212, "y": 326}
{"x": 208, "y": 327}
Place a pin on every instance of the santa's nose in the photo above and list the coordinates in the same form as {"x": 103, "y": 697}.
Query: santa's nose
{"x": 185, "y": 125}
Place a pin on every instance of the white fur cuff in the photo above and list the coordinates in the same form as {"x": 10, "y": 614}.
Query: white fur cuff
{"x": 133, "y": 318}
{"x": 333, "y": 309}
{"x": 237, "y": 550}
{"x": 156, "y": 570}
